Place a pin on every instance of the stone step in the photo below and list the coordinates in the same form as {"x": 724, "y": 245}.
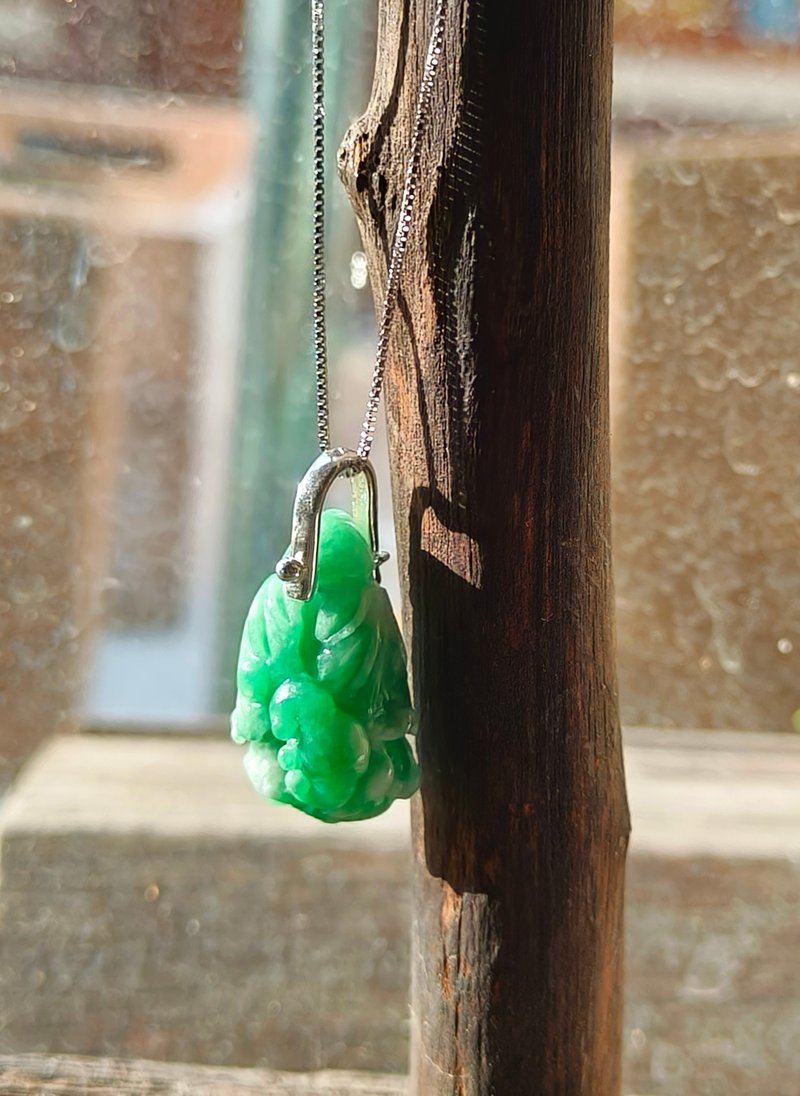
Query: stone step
{"x": 154, "y": 907}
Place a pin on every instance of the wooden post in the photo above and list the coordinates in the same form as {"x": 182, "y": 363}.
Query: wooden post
{"x": 498, "y": 422}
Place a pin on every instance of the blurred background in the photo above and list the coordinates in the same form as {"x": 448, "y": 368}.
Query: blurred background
{"x": 156, "y": 381}
{"x": 705, "y": 379}
{"x": 156, "y": 405}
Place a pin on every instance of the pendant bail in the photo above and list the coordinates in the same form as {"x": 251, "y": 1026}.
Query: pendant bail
{"x": 299, "y": 569}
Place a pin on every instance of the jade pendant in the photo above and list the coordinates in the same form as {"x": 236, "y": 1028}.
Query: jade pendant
{"x": 323, "y": 698}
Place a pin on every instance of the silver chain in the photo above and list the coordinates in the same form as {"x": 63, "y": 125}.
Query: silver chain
{"x": 401, "y": 235}
{"x": 320, "y": 280}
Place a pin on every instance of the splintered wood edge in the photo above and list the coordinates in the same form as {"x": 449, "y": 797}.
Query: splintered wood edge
{"x": 57, "y": 1075}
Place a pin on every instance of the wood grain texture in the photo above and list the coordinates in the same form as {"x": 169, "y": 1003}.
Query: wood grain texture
{"x": 44, "y": 1075}
{"x": 497, "y": 406}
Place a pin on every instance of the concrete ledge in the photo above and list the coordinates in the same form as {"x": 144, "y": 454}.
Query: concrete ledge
{"x": 170, "y": 786}
{"x": 723, "y": 794}
{"x": 153, "y": 907}
{"x": 34, "y": 1075}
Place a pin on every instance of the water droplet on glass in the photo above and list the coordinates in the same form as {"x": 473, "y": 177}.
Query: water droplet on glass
{"x": 29, "y": 590}
{"x": 793, "y": 380}
{"x": 22, "y": 521}
{"x": 638, "y": 1039}
{"x": 749, "y": 374}
{"x": 71, "y": 331}
{"x": 7, "y": 297}
{"x": 192, "y": 927}
{"x": 358, "y": 270}
{"x": 785, "y": 646}
{"x": 28, "y": 405}
{"x": 687, "y": 174}
{"x": 706, "y": 262}
{"x": 17, "y": 352}
{"x": 103, "y": 251}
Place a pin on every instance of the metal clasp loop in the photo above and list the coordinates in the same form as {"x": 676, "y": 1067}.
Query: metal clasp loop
{"x": 299, "y": 569}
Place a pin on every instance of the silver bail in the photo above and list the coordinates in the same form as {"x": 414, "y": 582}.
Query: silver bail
{"x": 299, "y": 569}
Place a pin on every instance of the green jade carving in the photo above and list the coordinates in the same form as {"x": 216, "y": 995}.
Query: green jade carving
{"x": 323, "y": 696}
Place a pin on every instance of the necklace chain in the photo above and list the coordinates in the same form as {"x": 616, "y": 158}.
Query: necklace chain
{"x": 320, "y": 279}
{"x": 401, "y": 235}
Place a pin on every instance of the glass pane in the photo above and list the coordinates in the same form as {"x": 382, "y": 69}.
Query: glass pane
{"x": 706, "y": 498}
{"x": 156, "y": 412}
{"x": 154, "y": 327}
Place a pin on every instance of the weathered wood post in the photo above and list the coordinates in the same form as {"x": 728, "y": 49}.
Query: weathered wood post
{"x": 498, "y": 419}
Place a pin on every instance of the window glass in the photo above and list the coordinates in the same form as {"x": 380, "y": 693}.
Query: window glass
{"x": 154, "y": 330}
{"x": 705, "y": 378}
{"x": 156, "y": 413}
